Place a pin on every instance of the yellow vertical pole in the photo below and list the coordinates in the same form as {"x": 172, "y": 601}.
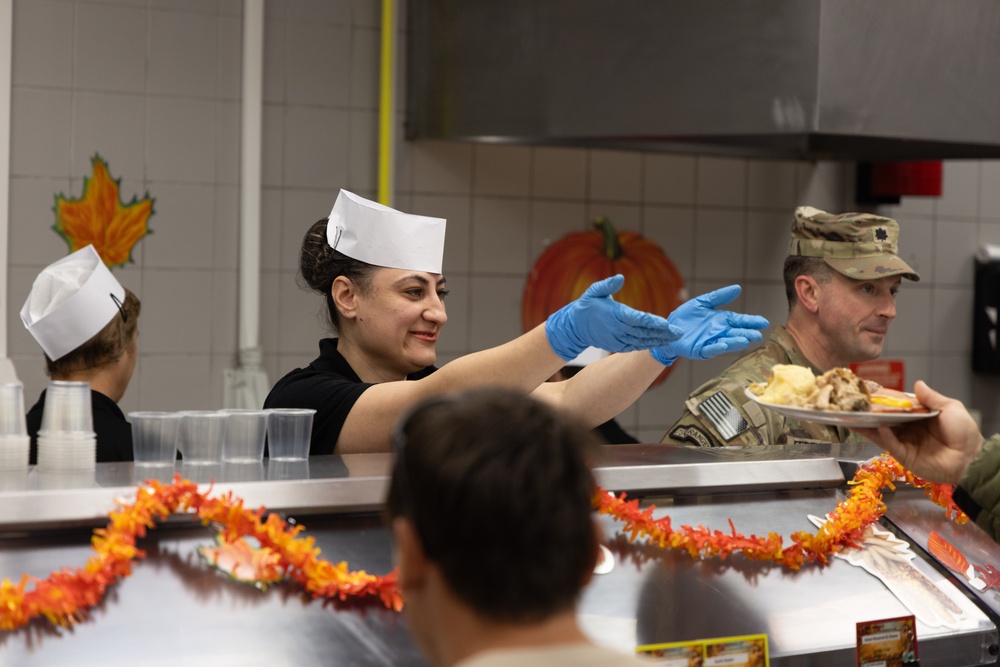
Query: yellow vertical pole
{"x": 386, "y": 110}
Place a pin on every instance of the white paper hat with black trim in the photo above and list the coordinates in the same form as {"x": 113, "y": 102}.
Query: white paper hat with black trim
{"x": 370, "y": 232}
{"x": 71, "y": 300}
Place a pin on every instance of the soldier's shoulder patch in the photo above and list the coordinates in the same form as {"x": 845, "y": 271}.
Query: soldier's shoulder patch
{"x": 691, "y": 434}
{"x": 723, "y": 415}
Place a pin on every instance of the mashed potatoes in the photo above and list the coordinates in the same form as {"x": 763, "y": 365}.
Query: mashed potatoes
{"x": 788, "y": 385}
{"x": 837, "y": 389}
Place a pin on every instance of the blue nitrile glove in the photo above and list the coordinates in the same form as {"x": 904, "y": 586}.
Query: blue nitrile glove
{"x": 596, "y": 319}
{"x": 709, "y": 332}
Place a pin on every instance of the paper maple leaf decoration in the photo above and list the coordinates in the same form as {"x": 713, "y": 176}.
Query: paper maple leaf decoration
{"x": 99, "y": 217}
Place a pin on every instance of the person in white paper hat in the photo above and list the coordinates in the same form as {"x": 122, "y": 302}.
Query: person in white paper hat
{"x": 87, "y": 325}
{"x": 379, "y": 272}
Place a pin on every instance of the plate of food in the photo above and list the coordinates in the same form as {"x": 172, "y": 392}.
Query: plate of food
{"x": 837, "y": 397}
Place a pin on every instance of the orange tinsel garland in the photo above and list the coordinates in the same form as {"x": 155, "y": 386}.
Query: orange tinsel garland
{"x": 844, "y": 528}
{"x": 66, "y": 595}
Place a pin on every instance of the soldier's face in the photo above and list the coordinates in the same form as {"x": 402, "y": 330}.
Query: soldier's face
{"x": 855, "y": 316}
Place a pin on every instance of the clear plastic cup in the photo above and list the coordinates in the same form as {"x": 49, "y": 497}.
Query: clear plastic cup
{"x": 142, "y": 472}
{"x": 15, "y": 451}
{"x": 201, "y": 436}
{"x": 154, "y": 437}
{"x": 245, "y": 433}
{"x": 242, "y": 472}
{"x": 287, "y": 469}
{"x": 67, "y": 408}
{"x": 66, "y": 452}
{"x": 288, "y": 433}
{"x": 12, "y": 421}
{"x": 202, "y": 473}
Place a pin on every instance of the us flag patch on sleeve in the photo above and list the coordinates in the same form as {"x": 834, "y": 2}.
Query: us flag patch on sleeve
{"x": 723, "y": 415}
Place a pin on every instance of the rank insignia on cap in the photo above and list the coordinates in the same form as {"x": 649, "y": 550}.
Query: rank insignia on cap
{"x": 723, "y": 415}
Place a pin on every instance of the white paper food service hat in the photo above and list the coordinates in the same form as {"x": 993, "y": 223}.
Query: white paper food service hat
{"x": 370, "y": 232}
{"x": 71, "y": 300}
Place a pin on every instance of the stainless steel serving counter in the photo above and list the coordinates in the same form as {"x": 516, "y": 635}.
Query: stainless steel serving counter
{"x": 175, "y": 609}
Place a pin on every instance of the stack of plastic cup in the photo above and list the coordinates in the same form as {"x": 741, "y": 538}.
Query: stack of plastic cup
{"x": 66, "y": 439}
{"x": 15, "y": 444}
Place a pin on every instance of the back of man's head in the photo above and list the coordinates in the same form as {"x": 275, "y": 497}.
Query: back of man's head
{"x": 499, "y": 489}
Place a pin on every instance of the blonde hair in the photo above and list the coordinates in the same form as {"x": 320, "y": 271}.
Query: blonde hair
{"x": 105, "y": 347}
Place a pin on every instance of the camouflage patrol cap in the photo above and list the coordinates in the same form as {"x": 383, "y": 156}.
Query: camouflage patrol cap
{"x": 858, "y": 245}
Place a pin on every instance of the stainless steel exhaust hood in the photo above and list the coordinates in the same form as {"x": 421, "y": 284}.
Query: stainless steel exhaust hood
{"x": 805, "y": 79}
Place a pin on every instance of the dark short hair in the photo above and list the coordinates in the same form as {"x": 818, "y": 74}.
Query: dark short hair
{"x": 104, "y": 347}
{"x": 499, "y": 488}
{"x": 319, "y": 266}
{"x": 796, "y": 265}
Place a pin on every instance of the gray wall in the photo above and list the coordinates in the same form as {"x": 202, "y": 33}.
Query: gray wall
{"x": 154, "y": 87}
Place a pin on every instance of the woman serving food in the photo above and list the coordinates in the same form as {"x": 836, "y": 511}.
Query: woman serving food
{"x": 379, "y": 271}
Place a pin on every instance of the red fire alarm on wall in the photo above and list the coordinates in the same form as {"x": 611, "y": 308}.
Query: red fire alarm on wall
{"x": 886, "y": 182}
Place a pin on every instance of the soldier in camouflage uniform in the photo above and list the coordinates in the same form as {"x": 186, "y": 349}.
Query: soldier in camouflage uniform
{"x": 841, "y": 276}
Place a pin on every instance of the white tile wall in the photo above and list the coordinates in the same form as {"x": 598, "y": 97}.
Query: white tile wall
{"x": 110, "y": 48}
{"x": 317, "y": 64}
{"x": 559, "y": 173}
{"x": 177, "y": 130}
{"x": 181, "y": 43}
{"x": 669, "y": 179}
{"x": 989, "y": 190}
{"x": 720, "y": 241}
{"x": 32, "y": 240}
{"x": 673, "y": 229}
{"x": 39, "y": 144}
{"x": 771, "y": 184}
{"x": 499, "y": 235}
{"x": 721, "y": 182}
{"x": 615, "y": 176}
{"x": 959, "y": 190}
{"x": 441, "y": 167}
{"x": 501, "y": 171}
{"x": 110, "y": 124}
{"x": 316, "y": 146}
{"x": 955, "y": 244}
{"x": 182, "y": 213}
{"x": 153, "y": 86}
{"x": 43, "y": 46}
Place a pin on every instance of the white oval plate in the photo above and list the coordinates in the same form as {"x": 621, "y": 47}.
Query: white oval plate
{"x": 606, "y": 562}
{"x": 845, "y": 419}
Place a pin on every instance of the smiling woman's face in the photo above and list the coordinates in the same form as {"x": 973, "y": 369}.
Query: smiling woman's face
{"x": 398, "y": 321}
